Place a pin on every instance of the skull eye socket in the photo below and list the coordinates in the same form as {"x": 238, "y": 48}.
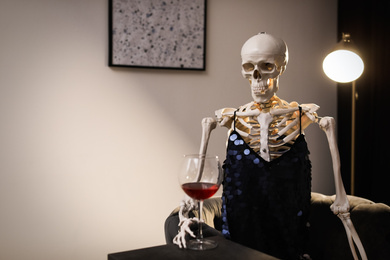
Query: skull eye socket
{"x": 248, "y": 67}
{"x": 267, "y": 66}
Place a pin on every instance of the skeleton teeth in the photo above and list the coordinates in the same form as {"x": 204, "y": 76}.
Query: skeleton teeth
{"x": 260, "y": 90}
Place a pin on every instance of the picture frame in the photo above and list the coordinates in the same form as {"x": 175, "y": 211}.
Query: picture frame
{"x": 159, "y": 34}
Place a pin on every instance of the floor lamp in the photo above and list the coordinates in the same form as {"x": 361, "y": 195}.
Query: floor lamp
{"x": 344, "y": 65}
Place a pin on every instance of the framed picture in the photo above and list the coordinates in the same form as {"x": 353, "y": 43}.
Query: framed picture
{"x": 165, "y": 34}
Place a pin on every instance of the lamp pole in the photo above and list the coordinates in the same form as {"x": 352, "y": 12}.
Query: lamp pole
{"x": 353, "y": 138}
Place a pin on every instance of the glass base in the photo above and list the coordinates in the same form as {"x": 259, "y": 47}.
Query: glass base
{"x": 201, "y": 244}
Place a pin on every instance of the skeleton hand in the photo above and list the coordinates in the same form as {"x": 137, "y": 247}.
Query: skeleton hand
{"x": 180, "y": 238}
{"x": 186, "y": 206}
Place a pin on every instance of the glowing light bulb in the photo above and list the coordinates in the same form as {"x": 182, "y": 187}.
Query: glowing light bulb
{"x": 343, "y": 66}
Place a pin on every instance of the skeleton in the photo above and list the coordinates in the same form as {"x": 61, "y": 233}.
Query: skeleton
{"x": 270, "y": 125}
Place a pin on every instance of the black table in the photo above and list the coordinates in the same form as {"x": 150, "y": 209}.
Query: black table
{"x": 226, "y": 249}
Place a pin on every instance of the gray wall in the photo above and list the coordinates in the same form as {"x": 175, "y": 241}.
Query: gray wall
{"x": 89, "y": 153}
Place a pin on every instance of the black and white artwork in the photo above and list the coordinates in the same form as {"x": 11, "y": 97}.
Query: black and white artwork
{"x": 158, "y": 33}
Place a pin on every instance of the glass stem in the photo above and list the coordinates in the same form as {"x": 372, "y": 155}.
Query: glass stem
{"x": 200, "y": 208}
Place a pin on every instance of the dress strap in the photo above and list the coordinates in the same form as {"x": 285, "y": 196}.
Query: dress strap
{"x": 300, "y": 120}
{"x": 234, "y": 120}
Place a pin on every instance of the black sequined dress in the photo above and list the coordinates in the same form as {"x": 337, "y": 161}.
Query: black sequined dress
{"x": 266, "y": 204}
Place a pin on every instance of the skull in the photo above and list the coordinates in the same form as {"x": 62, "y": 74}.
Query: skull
{"x": 264, "y": 59}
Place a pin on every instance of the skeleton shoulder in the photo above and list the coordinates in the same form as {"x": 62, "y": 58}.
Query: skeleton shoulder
{"x": 310, "y": 107}
{"x": 306, "y": 108}
{"x": 224, "y": 116}
{"x": 310, "y": 110}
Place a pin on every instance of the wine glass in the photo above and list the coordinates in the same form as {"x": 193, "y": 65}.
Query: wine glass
{"x": 200, "y": 177}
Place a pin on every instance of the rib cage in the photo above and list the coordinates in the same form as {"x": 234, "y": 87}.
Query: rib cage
{"x": 282, "y": 131}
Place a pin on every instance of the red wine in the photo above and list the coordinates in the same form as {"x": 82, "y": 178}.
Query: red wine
{"x": 200, "y": 190}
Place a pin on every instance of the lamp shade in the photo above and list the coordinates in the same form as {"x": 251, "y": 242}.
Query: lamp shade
{"x": 343, "y": 64}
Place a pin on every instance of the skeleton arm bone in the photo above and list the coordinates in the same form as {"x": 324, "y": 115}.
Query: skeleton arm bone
{"x": 340, "y": 207}
{"x": 341, "y": 204}
{"x": 352, "y": 236}
{"x": 208, "y": 125}
{"x": 188, "y": 204}
{"x": 344, "y": 219}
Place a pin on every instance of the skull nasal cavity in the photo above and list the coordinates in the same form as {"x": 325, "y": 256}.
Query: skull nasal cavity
{"x": 256, "y": 74}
